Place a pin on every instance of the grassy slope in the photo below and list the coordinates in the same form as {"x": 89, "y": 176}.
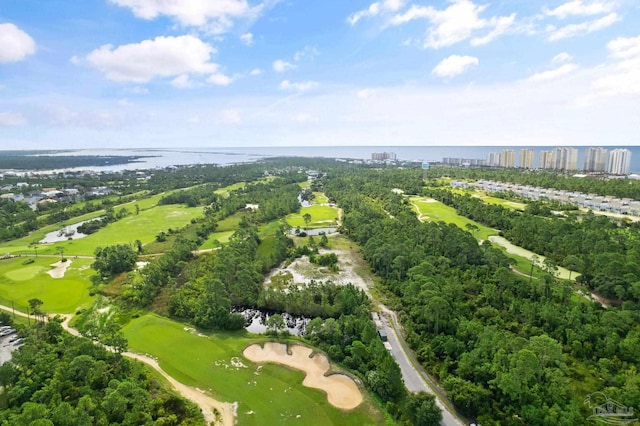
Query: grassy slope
{"x": 436, "y": 211}
{"x": 267, "y": 394}
{"x": 19, "y": 283}
{"x": 321, "y": 216}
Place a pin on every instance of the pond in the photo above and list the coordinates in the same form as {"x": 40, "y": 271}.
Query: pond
{"x": 69, "y": 232}
{"x": 256, "y": 321}
{"x": 314, "y": 231}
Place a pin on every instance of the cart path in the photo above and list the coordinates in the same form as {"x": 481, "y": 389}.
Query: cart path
{"x": 225, "y": 411}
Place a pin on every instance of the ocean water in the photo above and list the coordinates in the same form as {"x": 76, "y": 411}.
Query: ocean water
{"x": 164, "y": 157}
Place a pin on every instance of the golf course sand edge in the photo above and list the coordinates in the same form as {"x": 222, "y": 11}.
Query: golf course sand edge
{"x": 60, "y": 268}
{"x": 342, "y": 392}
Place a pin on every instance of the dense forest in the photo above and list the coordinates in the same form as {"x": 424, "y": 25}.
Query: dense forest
{"x": 62, "y": 380}
{"x": 606, "y": 252}
{"x": 507, "y": 349}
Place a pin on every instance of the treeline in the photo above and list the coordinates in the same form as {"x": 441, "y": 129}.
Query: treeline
{"x": 202, "y": 195}
{"x": 16, "y": 219}
{"x": 605, "y": 251}
{"x": 508, "y": 350}
{"x": 621, "y": 188}
{"x": 59, "y": 379}
{"x": 232, "y": 276}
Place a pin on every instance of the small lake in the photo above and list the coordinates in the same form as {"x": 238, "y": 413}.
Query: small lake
{"x": 314, "y": 231}
{"x": 69, "y": 232}
{"x": 256, "y": 321}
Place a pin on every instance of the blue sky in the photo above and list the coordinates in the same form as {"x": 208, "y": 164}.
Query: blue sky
{"x": 225, "y": 73}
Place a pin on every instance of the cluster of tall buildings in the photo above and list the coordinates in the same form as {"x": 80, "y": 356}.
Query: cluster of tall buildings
{"x": 597, "y": 160}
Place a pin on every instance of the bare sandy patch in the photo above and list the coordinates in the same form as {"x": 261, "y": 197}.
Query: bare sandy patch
{"x": 429, "y": 200}
{"x": 342, "y": 391}
{"x": 302, "y": 271}
{"x": 59, "y": 268}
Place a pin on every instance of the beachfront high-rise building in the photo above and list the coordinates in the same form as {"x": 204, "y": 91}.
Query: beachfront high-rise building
{"x": 546, "y": 160}
{"x": 619, "y": 162}
{"x": 565, "y": 159}
{"x": 526, "y": 159}
{"x": 595, "y": 160}
{"x": 508, "y": 158}
{"x": 383, "y": 156}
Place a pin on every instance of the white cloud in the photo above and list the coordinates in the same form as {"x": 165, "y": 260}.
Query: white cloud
{"x": 220, "y": 79}
{"x": 15, "y": 44}
{"x": 561, "y": 58}
{"x": 623, "y": 47}
{"x": 160, "y": 57}
{"x": 583, "y": 28}
{"x": 456, "y": 23}
{"x": 11, "y": 119}
{"x": 282, "y": 66}
{"x": 183, "y": 82}
{"x": 581, "y": 8}
{"x": 230, "y": 116}
{"x": 137, "y": 90}
{"x": 256, "y": 71}
{"x": 247, "y": 38}
{"x": 554, "y": 74}
{"x": 454, "y": 65}
{"x": 304, "y": 118}
{"x": 218, "y": 14}
{"x": 308, "y": 52}
{"x": 302, "y": 86}
{"x": 375, "y": 9}
{"x": 622, "y": 77}
{"x": 365, "y": 93}
{"x": 500, "y": 25}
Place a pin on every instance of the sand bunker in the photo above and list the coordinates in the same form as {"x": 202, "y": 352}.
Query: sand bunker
{"x": 342, "y": 391}
{"x": 59, "y": 268}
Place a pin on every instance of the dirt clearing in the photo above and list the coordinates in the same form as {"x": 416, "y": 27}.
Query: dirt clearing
{"x": 342, "y": 391}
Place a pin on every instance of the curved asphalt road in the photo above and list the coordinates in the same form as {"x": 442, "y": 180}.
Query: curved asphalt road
{"x": 414, "y": 377}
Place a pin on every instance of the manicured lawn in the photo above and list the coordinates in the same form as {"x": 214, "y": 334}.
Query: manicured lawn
{"x": 321, "y": 216}
{"x": 144, "y": 227}
{"x": 436, "y": 211}
{"x": 504, "y": 203}
{"x": 227, "y": 189}
{"x": 320, "y": 198}
{"x": 230, "y": 223}
{"x": 20, "y": 282}
{"x": 267, "y": 394}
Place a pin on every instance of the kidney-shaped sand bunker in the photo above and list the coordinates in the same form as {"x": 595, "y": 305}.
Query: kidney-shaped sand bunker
{"x": 342, "y": 391}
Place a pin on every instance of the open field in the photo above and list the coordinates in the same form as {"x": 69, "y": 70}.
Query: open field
{"x": 144, "y": 227}
{"x": 266, "y": 394}
{"x": 502, "y": 202}
{"x": 320, "y": 198}
{"x": 227, "y": 189}
{"x": 19, "y": 283}
{"x": 321, "y": 216}
{"x": 436, "y": 211}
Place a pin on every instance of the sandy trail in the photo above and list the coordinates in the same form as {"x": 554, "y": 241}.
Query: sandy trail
{"x": 208, "y": 405}
{"x": 60, "y": 268}
{"x": 342, "y": 391}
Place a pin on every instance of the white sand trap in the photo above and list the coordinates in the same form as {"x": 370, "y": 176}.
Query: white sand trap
{"x": 342, "y": 391}
{"x": 59, "y": 268}
{"x": 429, "y": 200}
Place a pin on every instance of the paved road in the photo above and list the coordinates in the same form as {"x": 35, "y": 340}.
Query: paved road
{"x": 414, "y": 376}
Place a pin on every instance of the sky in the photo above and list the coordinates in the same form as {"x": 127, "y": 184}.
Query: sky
{"x": 227, "y": 73}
